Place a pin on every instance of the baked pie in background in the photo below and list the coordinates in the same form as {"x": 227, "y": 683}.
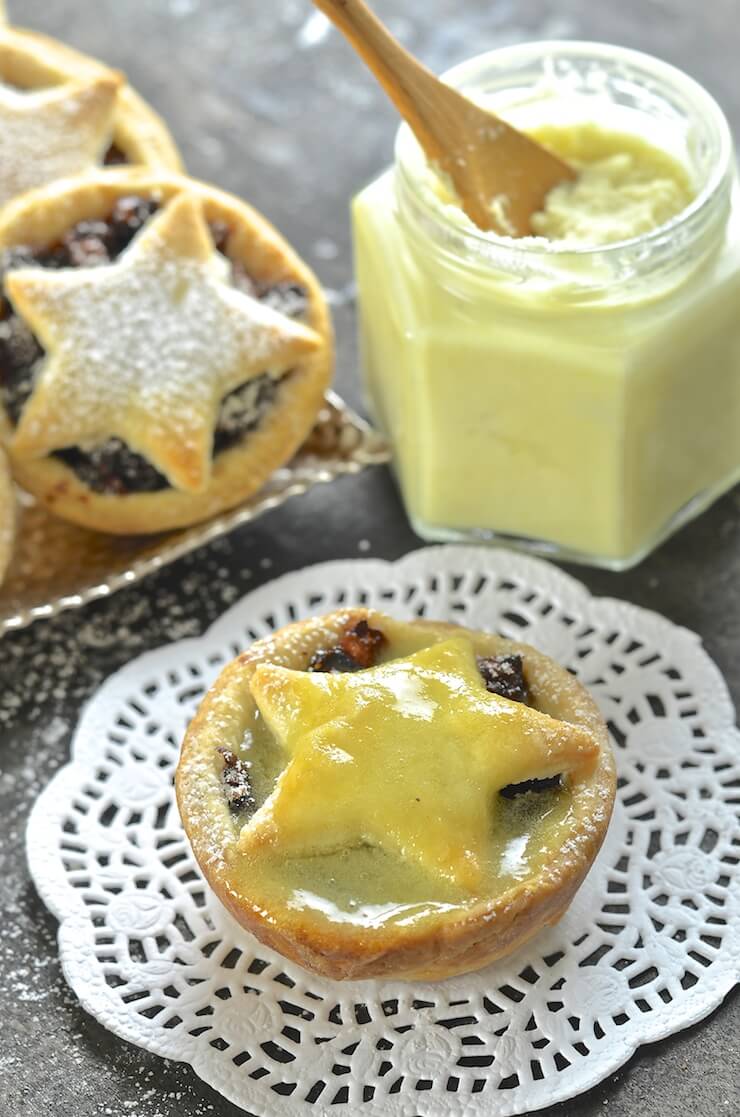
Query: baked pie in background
{"x": 62, "y": 113}
{"x": 162, "y": 349}
{"x": 374, "y": 798}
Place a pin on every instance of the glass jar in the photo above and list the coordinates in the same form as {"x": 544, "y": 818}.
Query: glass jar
{"x": 582, "y": 403}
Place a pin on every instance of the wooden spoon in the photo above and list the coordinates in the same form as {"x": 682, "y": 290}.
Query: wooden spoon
{"x": 501, "y": 176}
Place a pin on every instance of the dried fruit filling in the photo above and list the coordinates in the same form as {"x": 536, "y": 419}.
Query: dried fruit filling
{"x": 114, "y": 157}
{"x": 112, "y": 467}
{"x": 357, "y": 649}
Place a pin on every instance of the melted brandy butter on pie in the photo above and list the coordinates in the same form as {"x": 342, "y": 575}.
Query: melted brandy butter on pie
{"x": 379, "y": 789}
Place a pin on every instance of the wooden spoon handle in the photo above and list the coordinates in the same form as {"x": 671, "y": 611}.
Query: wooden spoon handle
{"x": 409, "y": 84}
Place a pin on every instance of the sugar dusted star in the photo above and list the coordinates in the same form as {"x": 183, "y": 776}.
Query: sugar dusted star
{"x": 48, "y": 134}
{"x": 145, "y": 348}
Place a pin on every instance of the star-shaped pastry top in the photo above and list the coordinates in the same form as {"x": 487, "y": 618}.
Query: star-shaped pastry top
{"x": 407, "y": 756}
{"x": 51, "y": 133}
{"x": 145, "y": 348}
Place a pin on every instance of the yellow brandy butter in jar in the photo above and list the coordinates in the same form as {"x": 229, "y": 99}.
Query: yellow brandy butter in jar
{"x": 576, "y": 392}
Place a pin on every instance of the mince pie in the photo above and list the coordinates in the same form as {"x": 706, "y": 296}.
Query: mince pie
{"x": 373, "y": 797}
{"x": 7, "y": 515}
{"x": 162, "y": 349}
{"x": 62, "y": 113}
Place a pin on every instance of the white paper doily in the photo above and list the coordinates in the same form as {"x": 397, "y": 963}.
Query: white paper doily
{"x": 650, "y": 945}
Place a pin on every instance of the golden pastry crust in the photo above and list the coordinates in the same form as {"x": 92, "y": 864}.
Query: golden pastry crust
{"x": 7, "y": 515}
{"x": 33, "y": 61}
{"x": 40, "y": 218}
{"x": 441, "y": 946}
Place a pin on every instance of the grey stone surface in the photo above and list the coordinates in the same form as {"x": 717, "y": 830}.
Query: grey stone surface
{"x": 263, "y": 103}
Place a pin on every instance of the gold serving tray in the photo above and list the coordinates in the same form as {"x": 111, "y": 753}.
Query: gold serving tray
{"x": 59, "y": 566}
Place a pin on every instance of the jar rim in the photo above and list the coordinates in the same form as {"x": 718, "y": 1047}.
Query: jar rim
{"x": 706, "y": 108}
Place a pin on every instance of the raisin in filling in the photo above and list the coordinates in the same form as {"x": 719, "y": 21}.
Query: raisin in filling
{"x": 502, "y": 674}
{"x": 357, "y": 649}
{"x": 236, "y": 782}
{"x": 114, "y": 157}
{"x": 112, "y": 467}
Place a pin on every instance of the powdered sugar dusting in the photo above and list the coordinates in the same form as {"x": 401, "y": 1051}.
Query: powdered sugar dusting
{"x": 50, "y": 134}
{"x": 47, "y": 675}
{"x": 144, "y": 349}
